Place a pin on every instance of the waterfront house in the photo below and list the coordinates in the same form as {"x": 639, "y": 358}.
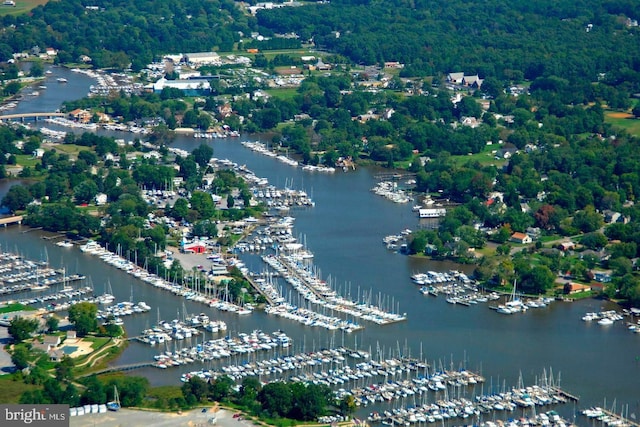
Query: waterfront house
{"x": 575, "y": 288}
{"x": 80, "y": 115}
{"x": 520, "y": 238}
{"x": 602, "y": 276}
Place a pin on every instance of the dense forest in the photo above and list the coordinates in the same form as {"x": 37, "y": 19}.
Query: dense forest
{"x": 509, "y": 40}
{"x": 116, "y": 33}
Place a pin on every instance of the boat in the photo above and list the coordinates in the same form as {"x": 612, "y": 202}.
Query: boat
{"x": 514, "y": 305}
{"x": 114, "y": 405}
{"x": 61, "y": 80}
{"x": 64, "y": 244}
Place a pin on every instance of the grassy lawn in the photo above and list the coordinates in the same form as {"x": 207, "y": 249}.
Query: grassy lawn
{"x": 97, "y": 342}
{"x": 623, "y": 120}
{"x": 14, "y": 307}
{"x": 288, "y": 93}
{"x": 71, "y": 149}
{"x": 580, "y": 295}
{"x": 11, "y": 389}
{"x": 21, "y": 6}
{"x": 27, "y": 160}
{"x": 485, "y": 157}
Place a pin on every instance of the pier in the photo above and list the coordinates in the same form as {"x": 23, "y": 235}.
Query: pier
{"x": 16, "y": 219}
{"x": 120, "y": 368}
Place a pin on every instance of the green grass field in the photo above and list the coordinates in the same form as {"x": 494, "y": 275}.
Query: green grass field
{"x": 10, "y": 389}
{"x": 22, "y": 6}
{"x": 486, "y": 157}
{"x": 288, "y": 93}
{"x": 624, "y": 121}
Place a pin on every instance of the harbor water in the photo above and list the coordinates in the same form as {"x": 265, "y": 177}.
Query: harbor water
{"x": 344, "y": 230}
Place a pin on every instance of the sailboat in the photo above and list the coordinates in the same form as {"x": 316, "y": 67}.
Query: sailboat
{"x": 114, "y": 405}
{"x": 514, "y": 305}
{"x": 107, "y": 297}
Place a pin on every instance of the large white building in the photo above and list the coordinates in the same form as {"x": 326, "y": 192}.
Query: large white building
{"x": 189, "y": 87}
{"x": 202, "y": 58}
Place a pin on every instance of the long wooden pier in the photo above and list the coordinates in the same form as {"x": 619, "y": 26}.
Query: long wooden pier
{"x": 16, "y": 219}
{"x": 120, "y": 368}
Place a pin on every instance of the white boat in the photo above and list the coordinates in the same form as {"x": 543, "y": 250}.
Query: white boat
{"x": 61, "y": 80}
{"x": 64, "y": 244}
{"x": 605, "y": 321}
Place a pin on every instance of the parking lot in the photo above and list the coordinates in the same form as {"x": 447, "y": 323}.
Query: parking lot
{"x": 135, "y": 418}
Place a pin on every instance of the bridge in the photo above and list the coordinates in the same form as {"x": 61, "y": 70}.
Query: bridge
{"x": 35, "y": 116}
{"x": 17, "y": 219}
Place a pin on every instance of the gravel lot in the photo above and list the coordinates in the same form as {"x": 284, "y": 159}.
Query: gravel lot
{"x": 132, "y": 418}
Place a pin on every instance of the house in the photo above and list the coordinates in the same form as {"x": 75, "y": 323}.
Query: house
{"x": 566, "y": 246}
{"x": 393, "y": 64}
{"x": 101, "y": 199}
{"x": 48, "y": 343}
{"x": 472, "y": 81}
{"x": 601, "y": 276}
{"x": 432, "y": 213}
{"x": 611, "y": 216}
{"x": 455, "y": 78}
{"x": 225, "y": 110}
{"x": 575, "y": 288}
{"x": 81, "y": 115}
{"x": 520, "y": 238}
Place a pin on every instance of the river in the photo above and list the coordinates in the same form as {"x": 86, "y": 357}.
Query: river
{"x": 344, "y": 230}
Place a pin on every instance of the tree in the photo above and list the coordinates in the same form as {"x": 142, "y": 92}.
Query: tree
{"x": 37, "y": 70}
{"x": 347, "y": 405}
{"x": 195, "y": 387}
{"x": 64, "y": 369}
{"x": 21, "y": 328}
{"x": 587, "y": 220}
{"x": 220, "y": 388}
{"x": 276, "y": 399}
{"x": 52, "y": 323}
{"x": 203, "y": 203}
{"x": 538, "y": 280}
{"x": 94, "y": 391}
{"x": 202, "y": 155}
{"x": 17, "y": 198}
{"x": 180, "y": 209}
{"x": 20, "y": 357}
{"x": 86, "y": 191}
{"x": 83, "y": 317}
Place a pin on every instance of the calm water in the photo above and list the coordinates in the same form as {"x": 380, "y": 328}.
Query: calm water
{"x": 344, "y": 230}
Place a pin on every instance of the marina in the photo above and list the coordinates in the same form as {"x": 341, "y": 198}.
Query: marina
{"x": 344, "y": 231}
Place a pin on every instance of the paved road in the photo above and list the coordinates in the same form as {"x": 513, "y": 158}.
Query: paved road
{"x": 6, "y": 367}
{"x": 132, "y": 418}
